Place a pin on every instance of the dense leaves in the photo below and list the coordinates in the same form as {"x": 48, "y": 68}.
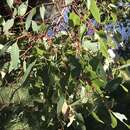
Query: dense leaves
{"x": 64, "y": 65}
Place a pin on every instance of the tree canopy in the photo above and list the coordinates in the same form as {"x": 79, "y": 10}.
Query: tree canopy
{"x": 64, "y": 64}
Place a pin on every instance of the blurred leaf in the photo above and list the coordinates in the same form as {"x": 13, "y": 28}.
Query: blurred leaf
{"x": 35, "y": 26}
{"x": 28, "y": 70}
{"x": 20, "y": 96}
{"x": 2, "y": 21}
{"x": 88, "y": 4}
{"x": 68, "y": 2}
{"x": 14, "y": 52}
{"x": 17, "y": 125}
{"x": 97, "y": 118}
{"x": 75, "y": 18}
{"x": 103, "y": 48}
{"x": 81, "y": 121}
{"x": 29, "y": 18}
{"x": 83, "y": 95}
{"x": 101, "y": 35}
{"x": 2, "y": 74}
{"x": 71, "y": 119}
{"x": 22, "y": 9}
{"x": 15, "y": 12}
{"x": 113, "y": 84}
{"x": 8, "y": 25}
{"x": 10, "y": 3}
{"x": 4, "y": 94}
{"x": 24, "y": 66}
{"x": 123, "y": 67}
{"x": 124, "y": 88}
{"x": 1, "y": 46}
{"x": 94, "y": 10}
{"x": 100, "y": 71}
{"x": 114, "y": 17}
{"x": 42, "y": 11}
{"x": 39, "y": 51}
{"x": 83, "y": 127}
{"x": 80, "y": 118}
{"x": 125, "y": 74}
{"x": 60, "y": 104}
{"x": 5, "y": 48}
{"x": 65, "y": 108}
{"x": 90, "y": 46}
{"x": 113, "y": 121}
{"x": 119, "y": 116}
{"x": 82, "y": 30}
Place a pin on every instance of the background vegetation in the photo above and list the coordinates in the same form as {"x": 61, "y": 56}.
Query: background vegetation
{"x": 64, "y": 65}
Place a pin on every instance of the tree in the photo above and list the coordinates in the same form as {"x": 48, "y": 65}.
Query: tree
{"x": 64, "y": 70}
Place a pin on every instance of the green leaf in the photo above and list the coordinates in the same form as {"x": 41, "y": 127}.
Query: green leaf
{"x": 100, "y": 71}
{"x": 18, "y": 125}
{"x": 10, "y": 3}
{"x": 68, "y": 2}
{"x": 88, "y": 4}
{"x": 24, "y": 66}
{"x": 22, "y": 9}
{"x": 60, "y": 104}
{"x": 103, "y": 48}
{"x": 124, "y": 88}
{"x": 88, "y": 45}
{"x": 83, "y": 127}
{"x": 21, "y": 95}
{"x": 28, "y": 70}
{"x": 123, "y": 67}
{"x": 94, "y": 10}
{"x": 2, "y": 21}
{"x": 35, "y": 26}
{"x": 80, "y": 118}
{"x": 97, "y": 117}
{"x": 8, "y": 25}
{"x": 42, "y": 11}
{"x": 113, "y": 121}
{"x": 29, "y": 18}
{"x": 1, "y": 46}
{"x": 84, "y": 98}
{"x": 113, "y": 84}
{"x": 82, "y": 30}
{"x": 75, "y": 18}
{"x": 14, "y": 52}
{"x": 125, "y": 74}
{"x": 39, "y": 51}
{"x": 101, "y": 35}
{"x": 128, "y": 126}
{"x": 119, "y": 116}
{"x": 5, "y": 48}
{"x": 15, "y": 12}
{"x": 114, "y": 17}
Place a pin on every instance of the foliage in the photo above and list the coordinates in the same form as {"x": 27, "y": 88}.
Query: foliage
{"x": 65, "y": 79}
